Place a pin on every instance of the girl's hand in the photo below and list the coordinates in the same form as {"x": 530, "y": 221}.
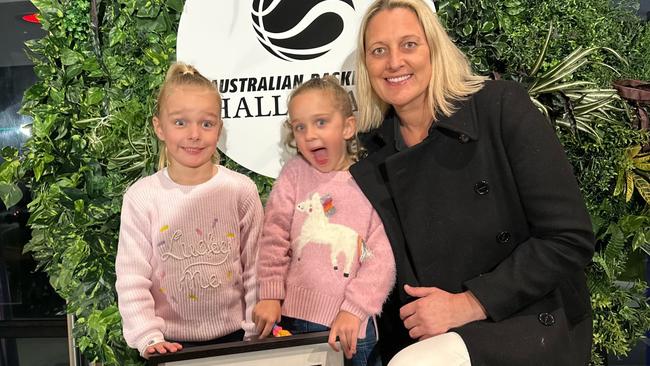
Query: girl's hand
{"x": 162, "y": 347}
{"x": 346, "y": 327}
{"x": 265, "y": 314}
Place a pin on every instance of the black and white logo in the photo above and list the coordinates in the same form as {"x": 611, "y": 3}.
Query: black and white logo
{"x": 298, "y": 29}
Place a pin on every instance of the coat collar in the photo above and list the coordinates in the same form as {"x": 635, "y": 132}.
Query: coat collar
{"x": 463, "y": 122}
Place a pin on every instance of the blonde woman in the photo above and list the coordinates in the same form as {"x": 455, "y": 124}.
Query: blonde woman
{"x": 488, "y": 229}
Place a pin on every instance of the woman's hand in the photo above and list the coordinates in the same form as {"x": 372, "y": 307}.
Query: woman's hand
{"x": 346, "y": 327}
{"x": 265, "y": 315}
{"x": 162, "y": 347}
{"x": 436, "y": 311}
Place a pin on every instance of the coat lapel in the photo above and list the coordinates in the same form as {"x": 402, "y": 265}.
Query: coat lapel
{"x": 409, "y": 174}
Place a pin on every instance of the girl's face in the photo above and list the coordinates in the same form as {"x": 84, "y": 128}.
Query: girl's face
{"x": 397, "y": 58}
{"x": 189, "y": 123}
{"x": 321, "y": 130}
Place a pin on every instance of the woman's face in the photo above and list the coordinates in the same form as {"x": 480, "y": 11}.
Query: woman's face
{"x": 397, "y": 58}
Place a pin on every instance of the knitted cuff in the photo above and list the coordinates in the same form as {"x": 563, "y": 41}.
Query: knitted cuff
{"x": 272, "y": 290}
{"x": 352, "y": 308}
{"x": 149, "y": 340}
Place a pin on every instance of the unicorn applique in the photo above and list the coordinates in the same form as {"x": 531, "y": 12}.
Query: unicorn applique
{"x": 317, "y": 229}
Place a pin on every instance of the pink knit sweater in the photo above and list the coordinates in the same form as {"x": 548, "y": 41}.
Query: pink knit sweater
{"x": 323, "y": 247}
{"x": 186, "y": 258}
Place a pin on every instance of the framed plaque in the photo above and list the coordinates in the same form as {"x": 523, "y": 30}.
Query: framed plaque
{"x": 297, "y": 350}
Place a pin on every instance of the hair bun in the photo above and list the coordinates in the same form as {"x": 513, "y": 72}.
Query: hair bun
{"x": 188, "y": 70}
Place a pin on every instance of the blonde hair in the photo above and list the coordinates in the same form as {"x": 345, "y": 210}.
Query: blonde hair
{"x": 331, "y": 85}
{"x": 178, "y": 75}
{"x": 452, "y": 78}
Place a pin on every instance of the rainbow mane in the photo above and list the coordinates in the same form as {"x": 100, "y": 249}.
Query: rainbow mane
{"x": 328, "y": 205}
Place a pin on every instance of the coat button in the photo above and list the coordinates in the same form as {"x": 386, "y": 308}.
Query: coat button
{"x": 546, "y": 319}
{"x": 482, "y": 187}
{"x": 503, "y": 237}
{"x": 463, "y": 138}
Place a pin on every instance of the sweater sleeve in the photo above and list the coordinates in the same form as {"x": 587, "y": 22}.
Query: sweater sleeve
{"x": 133, "y": 269}
{"x": 561, "y": 241}
{"x": 365, "y": 294}
{"x": 250, "y": 225}
{"x": 274, "y": 258}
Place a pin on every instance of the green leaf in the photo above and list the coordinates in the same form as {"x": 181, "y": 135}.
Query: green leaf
{"x": 559, "y": 73}
{"x": 542, "y": 54}
{"x": 10, "y": 194}
{"x": 94, "y": 95}
{"x": 590, "y": 107}
{"x": 176, "y": 5}
{"x": 73, "y": 71}
{"x": 515, "y": 11}
{"x": 620, "y": 182}
{"x": 39, "y": 167}
{"x": 9, "y": 170}
{"x": 115, "y": 36}
{"x": 641, "y": 166}
{"x": 641, "y": 242}
{"x": 149, "y": 10}
{"x": 629, "y": 185}
{"x": 642, "y": 157}
{"x": 70, "y": 57}
{"x": 487, "y": 27}
{"x": 561, "y": 87}
{"x": 467, "y": 30}
{"x": 642, "y": 186}
{"x": 57, "y": 95}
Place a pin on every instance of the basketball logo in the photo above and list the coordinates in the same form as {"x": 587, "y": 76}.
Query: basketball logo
{"x": 295, "y": 30}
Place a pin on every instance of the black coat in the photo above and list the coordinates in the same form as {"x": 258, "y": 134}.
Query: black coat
{"x": 488, "y": 203}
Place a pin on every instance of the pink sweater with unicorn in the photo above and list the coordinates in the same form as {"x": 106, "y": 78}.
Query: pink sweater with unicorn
{"x": 323, "y": 247}
{"x": 186, "y": 258}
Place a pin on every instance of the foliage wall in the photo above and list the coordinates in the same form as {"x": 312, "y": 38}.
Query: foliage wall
{"x": 102, "y": 60}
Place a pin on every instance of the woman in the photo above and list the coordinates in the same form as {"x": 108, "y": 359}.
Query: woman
{"x": 489, "y": 231}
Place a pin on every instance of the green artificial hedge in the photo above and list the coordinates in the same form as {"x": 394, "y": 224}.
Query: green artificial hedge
{"x": 100, "y": 64}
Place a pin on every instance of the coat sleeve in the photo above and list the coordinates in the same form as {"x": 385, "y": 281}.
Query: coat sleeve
{"x": 250, "y": 222}
{"x": 561, "y": 240}
{"x": 140, "y": 324}
{"x": 274, "y": 259}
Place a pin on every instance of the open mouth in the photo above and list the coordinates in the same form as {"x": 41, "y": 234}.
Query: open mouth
{"x": 320, "y": 155}
{"x": 399, "y": 79}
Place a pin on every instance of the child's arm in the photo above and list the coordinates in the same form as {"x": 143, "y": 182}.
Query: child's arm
{"x": 346, "y": 328}
{"x": 141, "y": 327}
{"x": 275, "y": 245}
{"x": 366, "y": 293}
{"x": 162, "y": 347}
{"x": 266, "y": 314}
{"x": 251, "y": 216}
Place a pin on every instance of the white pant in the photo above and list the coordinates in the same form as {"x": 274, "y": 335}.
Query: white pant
{"x": 444, "y": 350}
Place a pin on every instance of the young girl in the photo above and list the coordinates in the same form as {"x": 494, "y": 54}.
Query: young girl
{"x": 325, "y": 262}
{"x": 188, "y": 237}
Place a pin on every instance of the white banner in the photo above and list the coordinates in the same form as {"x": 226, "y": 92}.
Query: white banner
{"x": 258, "y": 51}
